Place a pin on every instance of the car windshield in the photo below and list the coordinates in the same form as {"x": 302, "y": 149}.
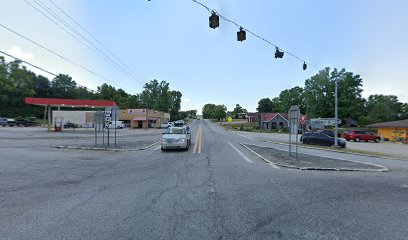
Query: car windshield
{"x": 175, "y": 131}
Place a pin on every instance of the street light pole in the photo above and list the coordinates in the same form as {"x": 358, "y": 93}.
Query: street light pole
{"x": 336, "y": 113}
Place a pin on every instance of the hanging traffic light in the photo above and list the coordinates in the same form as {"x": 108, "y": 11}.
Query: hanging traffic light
{"x": 304, "y": 66}
{"x": 214, "y": 20}
{"x": 278, "y": 54}
{"x": 241, "y": 35}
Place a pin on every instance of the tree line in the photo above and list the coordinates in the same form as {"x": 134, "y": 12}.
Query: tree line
{"x": 317, "y": 99}
{"x": 17, "y": 83}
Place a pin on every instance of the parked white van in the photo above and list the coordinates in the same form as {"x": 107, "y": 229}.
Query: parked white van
{"x": 119, "y": 124}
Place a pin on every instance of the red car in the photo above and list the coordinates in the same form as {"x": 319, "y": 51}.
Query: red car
{"x": 359, "y": 135}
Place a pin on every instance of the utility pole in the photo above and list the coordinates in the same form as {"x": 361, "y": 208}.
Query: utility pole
{"x": 336, "y": 114}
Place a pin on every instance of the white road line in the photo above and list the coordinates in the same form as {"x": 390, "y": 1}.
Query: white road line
{"x": 273, "y": 165}
{"x": 258, "y": 155}
{"x": 240, "y": 153}
{"x": 242, "y": 135}
{"x": 157, "y": 148}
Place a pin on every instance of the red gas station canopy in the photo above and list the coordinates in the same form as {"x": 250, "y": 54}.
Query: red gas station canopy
{"x": 58, "y": 102}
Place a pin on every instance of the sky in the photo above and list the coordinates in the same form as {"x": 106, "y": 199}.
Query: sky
{"x": 171, "y": 41}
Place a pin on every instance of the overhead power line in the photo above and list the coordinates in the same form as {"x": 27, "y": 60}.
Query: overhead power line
{"x": 61, "y": 56}
{"x": 95, "y": 39}
{"x": 69, "y": 29}
{"x": 241, "y": 35}
{"x": 40, "y": 68}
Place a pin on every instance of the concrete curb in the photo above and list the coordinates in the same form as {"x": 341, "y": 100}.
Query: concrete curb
{"x": 333, "y": 150}
{"x": 88, "y": 148}
{"x": 105, "y": 149}
{"x": 384, "y": 169}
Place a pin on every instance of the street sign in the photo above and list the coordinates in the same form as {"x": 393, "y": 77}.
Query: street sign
{"x": 230, "y": 119}
{"x": 294, "y": 112}
{"x": 303, "y": 119}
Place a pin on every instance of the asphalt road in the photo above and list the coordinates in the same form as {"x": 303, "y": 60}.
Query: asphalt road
{"x": 216, "y": 190}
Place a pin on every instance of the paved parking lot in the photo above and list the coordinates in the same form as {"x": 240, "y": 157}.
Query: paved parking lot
{"x": 128, "y": 139}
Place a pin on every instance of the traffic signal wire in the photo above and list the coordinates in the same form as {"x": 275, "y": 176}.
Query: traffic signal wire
{"x": 252, "y": 33}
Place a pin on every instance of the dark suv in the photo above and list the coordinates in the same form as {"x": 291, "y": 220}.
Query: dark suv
{"x": 359, "y": 135}
{"x": 3, "y": 122}
{"x": 25, "y": 123}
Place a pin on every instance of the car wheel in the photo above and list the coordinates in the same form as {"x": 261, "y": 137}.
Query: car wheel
{"x": 163, "y": 149}
{"x": 377, "y": 140}
{"x": 357, "y": 139}
{"x": 348, "y": 139}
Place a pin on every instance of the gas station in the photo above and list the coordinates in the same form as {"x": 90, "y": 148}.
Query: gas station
{"x": 49, "y": 103}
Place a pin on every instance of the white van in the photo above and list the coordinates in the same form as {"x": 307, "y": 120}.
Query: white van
{"x": 119, "y": 124}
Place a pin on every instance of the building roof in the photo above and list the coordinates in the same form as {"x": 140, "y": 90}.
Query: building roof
{"x": 394, "y": 124}
{"x": 58, "y": 102}
{"x": 269, "y": 116}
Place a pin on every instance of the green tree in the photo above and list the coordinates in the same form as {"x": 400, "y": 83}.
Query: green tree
{"x": 42, "y": 87}
{"x": 265, "y": 105}
{"x": 16, "y": 83}
{"x": 220, "y": 112}
{"x": 319, "y": 94}
{"x": 237, "y": 110}
{"x": 290, "y": 97}
{"x": 175, "y": 102}
{"x": 63, "y": 87}
{"x": 106, "y": 92}
{"x": 404, "y": 111}
{"x": 381, "y": 108}
{"x": 208, "y": 111}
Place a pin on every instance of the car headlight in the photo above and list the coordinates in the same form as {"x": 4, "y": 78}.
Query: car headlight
{"x": 183, "y": 139}
{"x": 163, "y": 140}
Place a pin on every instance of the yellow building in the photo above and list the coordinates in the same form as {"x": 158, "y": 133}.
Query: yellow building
{"x": 143, "y": 117}
{"x": 396, "y": 131}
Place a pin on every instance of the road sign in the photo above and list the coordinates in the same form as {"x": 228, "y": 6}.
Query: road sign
{"x": 303, "y": 119}
{"x": 294, "y": 112}
{"x": 230, "y": 119}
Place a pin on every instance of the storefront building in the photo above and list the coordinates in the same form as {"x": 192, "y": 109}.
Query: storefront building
{"x": 143, "y": 117}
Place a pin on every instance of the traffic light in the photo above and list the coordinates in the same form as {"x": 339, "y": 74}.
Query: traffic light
{"x": 278, "y": 54}
{"x": 304, "y": 66}
{"x": 214, "y": 20}
{"x": 241, "y": 35}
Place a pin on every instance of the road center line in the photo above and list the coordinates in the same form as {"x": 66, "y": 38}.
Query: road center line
{"x": 196, "y": 139}
{"x": 201, "y": 142}
{"x": 240, "y": 153}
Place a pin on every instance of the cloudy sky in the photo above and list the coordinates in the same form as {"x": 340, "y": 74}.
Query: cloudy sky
{"x": 171, "y": 41}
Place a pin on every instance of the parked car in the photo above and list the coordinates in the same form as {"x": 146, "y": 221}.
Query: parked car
{"x": 176, "y": 138}
{"x": 3, "y": 122}
{"x": 113, "y": 124}
{"x": 11, "y": 122}
{"x": 329, "y": 133}
{"x": 166, "y": 124}
{"x": 70, "y": 125}
{"x": 322, "y": 139}
{"x": 179, "y": 123}
{"x": 25, "y": 123}
{"x": 359, "y": 135}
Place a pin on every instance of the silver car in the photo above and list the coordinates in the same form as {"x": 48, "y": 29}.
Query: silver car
{"x": 176, "y": 138}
